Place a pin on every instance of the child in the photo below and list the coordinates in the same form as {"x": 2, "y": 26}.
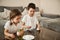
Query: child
{"x": 30, "y": 21}
{"x": 13, "y": 25}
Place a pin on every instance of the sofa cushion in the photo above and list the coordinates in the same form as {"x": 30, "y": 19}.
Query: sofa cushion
{"x": 50, "y": 15}
{"x": 52, "y": 24}
{"x": 2, "y": 23}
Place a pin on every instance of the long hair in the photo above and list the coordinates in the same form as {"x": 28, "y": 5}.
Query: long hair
{"x": 13, "y": 14}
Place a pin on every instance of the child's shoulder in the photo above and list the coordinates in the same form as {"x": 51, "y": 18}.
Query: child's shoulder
{"x": 8, "y": 22}
{"x": 26, "y": 15}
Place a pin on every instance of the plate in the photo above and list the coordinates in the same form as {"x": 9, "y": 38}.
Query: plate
{"x": 28, "y": 37}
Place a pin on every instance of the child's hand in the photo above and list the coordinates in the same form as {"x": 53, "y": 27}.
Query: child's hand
{"x": 12, "y": 35}
{"x": 38, "y": 30}
{"x": 28, "y": 27}
{"x": 20, "y": 33}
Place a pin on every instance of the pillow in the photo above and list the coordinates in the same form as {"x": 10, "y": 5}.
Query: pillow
{"x": 37, "y": 14}
{"x": 5, "y": 14}
{"x": 50, "y": 15}
{"x": 24, "y": 12}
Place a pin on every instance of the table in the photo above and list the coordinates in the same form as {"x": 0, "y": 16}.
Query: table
{"x": 34, "y": 33}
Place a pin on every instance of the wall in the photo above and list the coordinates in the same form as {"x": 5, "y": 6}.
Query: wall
{"x": 18, "y": 2}
{"x": 50, "y": 6}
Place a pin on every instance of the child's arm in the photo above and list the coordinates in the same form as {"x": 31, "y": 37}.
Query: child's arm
{"x": 24, "y": 26}
{"x": 8, "y": 34}
{"x": 20, "y": 32}
{"x": 38, "y": 26}
{"x": 24, "y": 20}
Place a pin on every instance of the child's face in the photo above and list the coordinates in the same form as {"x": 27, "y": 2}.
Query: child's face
{"x": 17, "y": 19}
{"x": 31, "y": 11}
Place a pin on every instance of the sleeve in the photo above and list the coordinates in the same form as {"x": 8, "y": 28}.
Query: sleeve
{"x": 36, "y": 20}
{"x": 6, "y": 25}
{"x": 24, "y": 19}
{"x": 20, "y": 25}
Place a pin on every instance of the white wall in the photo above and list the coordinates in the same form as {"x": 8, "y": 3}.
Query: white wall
{"x": 50, "y": 6}
{"x": 0, "y": 2}
{"x": 18, "y": 2}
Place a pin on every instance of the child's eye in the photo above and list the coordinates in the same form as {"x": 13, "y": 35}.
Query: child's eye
{"x": 18, "y": 18}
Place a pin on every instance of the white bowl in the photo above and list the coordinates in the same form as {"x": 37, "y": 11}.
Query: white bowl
{"x": 28, "y": 37}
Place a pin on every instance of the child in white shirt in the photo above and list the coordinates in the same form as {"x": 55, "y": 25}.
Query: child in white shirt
{"x": 30, "y": 21}
{"x": 13, "y": 25}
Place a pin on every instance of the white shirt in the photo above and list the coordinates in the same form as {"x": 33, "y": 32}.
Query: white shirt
{"x": 12, "y": 28}
{"x": 30, "y": 21}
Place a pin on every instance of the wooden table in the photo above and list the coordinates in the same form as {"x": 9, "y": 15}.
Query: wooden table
{"x": 34, "y": 33}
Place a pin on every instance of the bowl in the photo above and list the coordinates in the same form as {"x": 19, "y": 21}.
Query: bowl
{"x": 28, "y": 37}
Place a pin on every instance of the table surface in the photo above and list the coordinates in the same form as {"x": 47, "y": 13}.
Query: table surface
{"x": 29, "y": 33}
{"x": 46, "y": 34}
